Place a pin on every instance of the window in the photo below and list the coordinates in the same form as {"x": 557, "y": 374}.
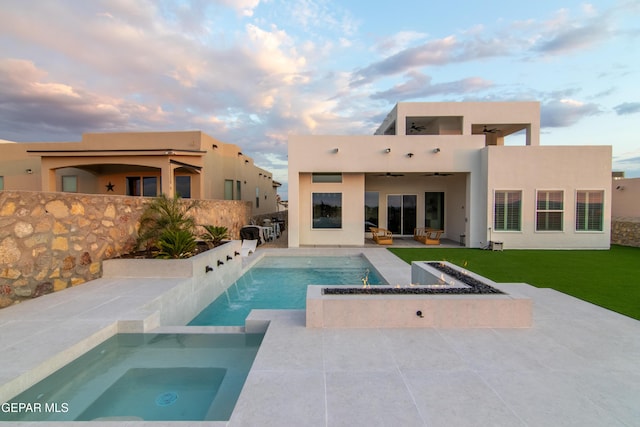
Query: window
{"x": 257, "y": 197}
{"x": 326, "y": 177}
{"x": 327, "y": 210}
{"x": 142, "y": 186}
{"x": 183, "y": 186}
{"x": 371, "y": 205}
{"x": 70, "y": 183}
{"x": 238, "y": 190}
{"x": 589, "y": 210}
{"x": 549, "y": 211}
{"x": 507, "y": 210}
{"x": 1, "y": 182}
{"x": 150, "y": 186}
{"x": 228, "y": 189}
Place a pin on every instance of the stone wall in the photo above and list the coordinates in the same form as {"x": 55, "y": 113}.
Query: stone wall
{"x": 51, "y": 241}
{"x": 625, "y": 231}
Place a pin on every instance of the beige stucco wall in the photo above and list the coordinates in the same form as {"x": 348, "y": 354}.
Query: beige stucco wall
{"x": 566, "y": 168}
{"x": 625, "y": 198}
{"x": 360, "y": 154}
{"x": 155, "y": 151}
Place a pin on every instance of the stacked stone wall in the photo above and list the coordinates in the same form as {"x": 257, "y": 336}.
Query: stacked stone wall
{"x": 625, "y": 231}
{"x": 52, "y": 241}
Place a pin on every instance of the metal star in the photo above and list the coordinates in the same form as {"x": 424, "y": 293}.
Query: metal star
{"x": 110, "y": 186}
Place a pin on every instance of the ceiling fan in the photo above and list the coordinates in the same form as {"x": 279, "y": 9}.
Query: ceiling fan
{"x": 438, "y": 174}
{"x": 485, "y": 130}
{"x": 416, "y": 128}
{"x": 391, "y": 175}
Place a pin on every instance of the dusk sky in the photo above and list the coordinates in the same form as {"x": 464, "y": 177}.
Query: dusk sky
{"x": 250, "y": 72}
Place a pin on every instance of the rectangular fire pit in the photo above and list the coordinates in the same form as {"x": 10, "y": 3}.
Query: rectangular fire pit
{"x": 434, "y": 300}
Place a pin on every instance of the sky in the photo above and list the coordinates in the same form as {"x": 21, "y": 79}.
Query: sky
{"x": 251, "y": 72}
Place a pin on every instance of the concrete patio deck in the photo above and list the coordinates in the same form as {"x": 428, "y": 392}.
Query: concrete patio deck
{"x": 577, "y": 365}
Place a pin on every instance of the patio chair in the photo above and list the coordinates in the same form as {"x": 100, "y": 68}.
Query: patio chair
{"x": 381, "y": 236}
{"x": 428, "y": 236}
{"x": 248, "y": 247}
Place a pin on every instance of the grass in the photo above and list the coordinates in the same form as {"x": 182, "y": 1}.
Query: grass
{"x": 608, "y": 278}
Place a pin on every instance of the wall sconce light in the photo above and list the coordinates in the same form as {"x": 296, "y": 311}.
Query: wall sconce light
{"x": 246, "y": 161}
{"x": 619, "y": 188}
{"x": 214, "y": 146}
{"x": 436, "y": 150}
{"x": 409, "y": 155}
{"x": 245, "y": 182}
{"x": 29, "y": 171}
{"x": 387, "y": 150}
{"x": 335, "y": 150}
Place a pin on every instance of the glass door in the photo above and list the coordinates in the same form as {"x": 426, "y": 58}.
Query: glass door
{"x": 434, "y": 210}
{"x": 401, "y": 213}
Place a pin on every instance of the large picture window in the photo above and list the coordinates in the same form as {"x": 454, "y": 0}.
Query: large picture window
{"x": 327, "y": 210}
{"x": 507, "y": 211}
{"x": 589, "y": 210}
{"x": 549, "y": 210}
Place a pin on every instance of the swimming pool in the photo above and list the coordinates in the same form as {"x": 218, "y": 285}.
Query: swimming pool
{"x": 160, "y": 377}
{"x": 281, "y": 283}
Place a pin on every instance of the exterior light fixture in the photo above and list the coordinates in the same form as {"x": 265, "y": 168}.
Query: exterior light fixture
{"x": 335, "y": 150}
{"x": 29, "y": 171}
{"x": 409, "y": 155}
{"x": 436, "y": 150}
{"x": 387, "y": 150}
{"x": 619, "y": 188}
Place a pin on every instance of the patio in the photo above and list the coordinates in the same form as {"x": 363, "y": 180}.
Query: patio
{"x": 577, "y": 364}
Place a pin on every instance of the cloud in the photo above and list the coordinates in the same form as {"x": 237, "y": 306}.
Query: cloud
{"x": 627, "y": 108}
{"x": 565, "y": 112}
{"x": 419, "y": 85}
{"x": 437, "y": 52}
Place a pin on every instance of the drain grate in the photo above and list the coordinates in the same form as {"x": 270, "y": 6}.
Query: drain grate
{"x": 166, "y": 399}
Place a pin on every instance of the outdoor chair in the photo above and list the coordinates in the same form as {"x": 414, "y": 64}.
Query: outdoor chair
{"x": 381, "y": 236}
{"x": 428, "y": 236}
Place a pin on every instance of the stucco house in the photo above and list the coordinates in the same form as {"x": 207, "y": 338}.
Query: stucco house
{"x": 190, "y": 163}
{"x": 446, "y": 166}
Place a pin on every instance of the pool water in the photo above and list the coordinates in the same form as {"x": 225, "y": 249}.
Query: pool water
{"x": 281, "y": 283}
{"x": 162, "y": 377}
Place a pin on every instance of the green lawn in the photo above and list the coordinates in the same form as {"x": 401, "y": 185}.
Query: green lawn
{"x": 610, "y": 278}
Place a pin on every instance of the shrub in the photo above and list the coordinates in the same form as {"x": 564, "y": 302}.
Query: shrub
{"x": 176, "y": 244}
{"x": 164, "y": 214}
{"x": 214, "y": 235}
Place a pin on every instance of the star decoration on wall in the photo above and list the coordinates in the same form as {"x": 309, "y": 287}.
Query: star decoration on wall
{"x": 110, "y": 186}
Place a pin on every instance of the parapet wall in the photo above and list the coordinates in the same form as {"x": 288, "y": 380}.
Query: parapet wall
{"x": 625, "y": 231}
{"x": 51, "y": 241}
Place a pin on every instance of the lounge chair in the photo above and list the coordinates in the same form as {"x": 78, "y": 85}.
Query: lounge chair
{"x": 428, "y": 236}
{"x": 381, "y": 236}
{"x": 248, "y": 247}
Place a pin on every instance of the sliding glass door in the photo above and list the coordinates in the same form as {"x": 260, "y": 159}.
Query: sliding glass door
{"x": 401, "y": 213}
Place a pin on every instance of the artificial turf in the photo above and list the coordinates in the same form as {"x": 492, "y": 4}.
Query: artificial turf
{"x": 608, "y": 278}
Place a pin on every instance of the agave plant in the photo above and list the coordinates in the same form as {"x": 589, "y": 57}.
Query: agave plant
{"x": 214, "y": 235}
{"x": 164, "y": 214}
{"x": 176, "y": 244}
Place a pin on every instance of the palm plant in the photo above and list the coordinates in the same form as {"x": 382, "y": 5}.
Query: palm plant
{"x": 214, "y": 235}
{"x": 164, "y": 214}
{"x": 178, "y": 243}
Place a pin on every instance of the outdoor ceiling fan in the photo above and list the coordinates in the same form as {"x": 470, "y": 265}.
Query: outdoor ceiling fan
{"x": 416, "y": 128}
{"x": 485, "y": 130}
{"x": 438, "y": 174}
{"x": 391, "y": 175}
